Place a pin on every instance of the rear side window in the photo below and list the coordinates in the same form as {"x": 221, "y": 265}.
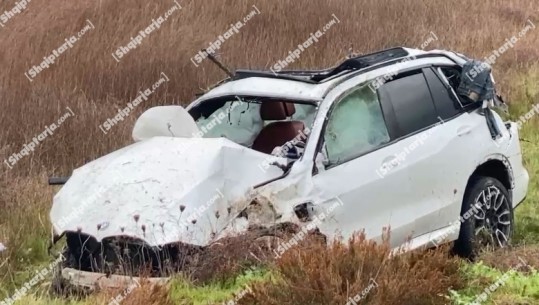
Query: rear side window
{"x": 447, "y": 106}
{"x": 412, "y": 103}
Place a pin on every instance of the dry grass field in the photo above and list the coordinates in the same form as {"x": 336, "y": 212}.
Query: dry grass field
{"x": 87, "y": 79}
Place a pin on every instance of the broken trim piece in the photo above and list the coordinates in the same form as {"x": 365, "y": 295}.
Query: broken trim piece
{"x": 95, "y": 280}
{"x": 58, "y": 180}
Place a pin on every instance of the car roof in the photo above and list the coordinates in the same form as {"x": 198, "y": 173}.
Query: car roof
{"x": 295, "y": 85}
{"x": 270, "y": 87}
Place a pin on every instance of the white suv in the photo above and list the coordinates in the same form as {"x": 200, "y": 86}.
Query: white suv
{"x": 379, "y": 142}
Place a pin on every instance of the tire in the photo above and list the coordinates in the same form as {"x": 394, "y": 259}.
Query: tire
{"x": 486, "y": 221}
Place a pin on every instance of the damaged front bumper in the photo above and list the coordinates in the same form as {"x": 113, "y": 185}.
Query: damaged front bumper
{"x": 150, "y": 209}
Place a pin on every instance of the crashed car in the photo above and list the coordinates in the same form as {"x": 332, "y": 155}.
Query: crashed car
{"x": 380, "y": 142}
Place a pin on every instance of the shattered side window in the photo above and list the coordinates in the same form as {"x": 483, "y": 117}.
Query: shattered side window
{"x": 356, "y": 126}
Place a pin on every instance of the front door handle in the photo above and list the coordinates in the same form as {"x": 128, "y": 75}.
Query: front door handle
{"x": 464, "y": 130}
{"x": 390, "y": 161}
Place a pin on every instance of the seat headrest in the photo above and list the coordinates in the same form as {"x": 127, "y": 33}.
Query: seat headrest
{"x": 276, "y": 110}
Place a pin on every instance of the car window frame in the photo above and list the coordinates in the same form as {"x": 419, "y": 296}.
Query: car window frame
{"x": 400, "y": 134}
{"x": 465, "y": 108}
{"x": 334, "y": 105}
{"x": 322, "y": 142}
{"x": 389, "y": 113}
{"x": 436, "y": 70}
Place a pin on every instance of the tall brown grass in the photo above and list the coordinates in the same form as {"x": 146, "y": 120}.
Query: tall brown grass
{"x": 94, "y": 85}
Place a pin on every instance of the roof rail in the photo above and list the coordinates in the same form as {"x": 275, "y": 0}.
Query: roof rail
{"x": 316, "y": 76}
{"x": 240, "y": 74}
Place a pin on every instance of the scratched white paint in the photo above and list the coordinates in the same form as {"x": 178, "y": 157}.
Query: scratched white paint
{"x": 146, "y": 183}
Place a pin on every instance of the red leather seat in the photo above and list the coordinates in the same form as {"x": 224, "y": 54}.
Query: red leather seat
{"x": 277, "y": 133}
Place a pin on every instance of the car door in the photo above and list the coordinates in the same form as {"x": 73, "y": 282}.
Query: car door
{"x": 437, "y": 137}
{"x": 357, "y": 142}
{"x": 414, "y": 182}
{"x": 455, "y": 153}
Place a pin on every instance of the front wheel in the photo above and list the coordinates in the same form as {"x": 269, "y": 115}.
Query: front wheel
{"x": 486, "y": 217}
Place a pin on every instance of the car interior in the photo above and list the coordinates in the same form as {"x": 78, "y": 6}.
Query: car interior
{"x": 279, "y": 132}
{"x": 261, "y": 124}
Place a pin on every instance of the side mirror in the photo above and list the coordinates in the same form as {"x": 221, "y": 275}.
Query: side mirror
{"x": 167, "y": 121}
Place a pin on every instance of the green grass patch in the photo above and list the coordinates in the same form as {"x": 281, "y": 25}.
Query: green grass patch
{"x": 511, "y": 285}
{"x": 183, "y": 292}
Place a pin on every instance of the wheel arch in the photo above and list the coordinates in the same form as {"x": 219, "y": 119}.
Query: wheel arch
{"x": 495, "y": 166}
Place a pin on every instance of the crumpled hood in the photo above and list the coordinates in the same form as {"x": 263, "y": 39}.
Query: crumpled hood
{"x": 162, "y": 190}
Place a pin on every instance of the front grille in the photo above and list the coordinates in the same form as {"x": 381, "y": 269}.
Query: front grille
{"x": 126, "y": 256}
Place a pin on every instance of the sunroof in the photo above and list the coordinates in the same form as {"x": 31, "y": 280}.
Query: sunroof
{"x": 363, "y": 61}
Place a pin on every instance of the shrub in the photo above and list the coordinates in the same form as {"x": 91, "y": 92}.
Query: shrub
{"x": 315, "y": 274}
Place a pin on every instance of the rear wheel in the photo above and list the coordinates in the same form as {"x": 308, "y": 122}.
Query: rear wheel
{"x": 486, "y": 217}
